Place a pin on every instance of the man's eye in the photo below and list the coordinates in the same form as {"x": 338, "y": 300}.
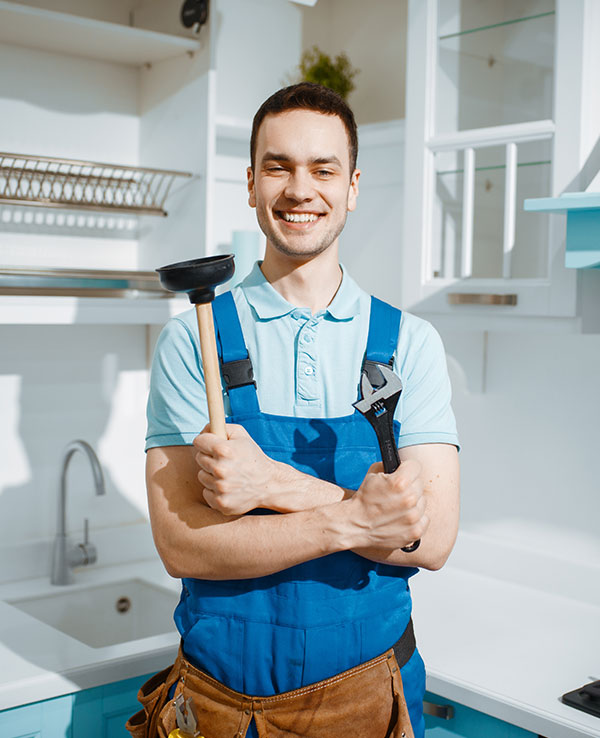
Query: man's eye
{"x": 275, "y": 169}
{"x": 324, "y": 173}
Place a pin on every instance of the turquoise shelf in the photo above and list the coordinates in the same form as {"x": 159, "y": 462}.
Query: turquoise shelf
{"x": 583, "y": 225}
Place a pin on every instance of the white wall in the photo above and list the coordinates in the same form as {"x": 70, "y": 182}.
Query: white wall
{"x": 530, "y": 440}
{"x": 57, "y": 384}
{"x": 373, "y": 35}
{"x": 259, "y": 42}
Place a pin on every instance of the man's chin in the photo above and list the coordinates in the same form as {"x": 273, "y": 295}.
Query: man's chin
{"x": 302, "y": 252}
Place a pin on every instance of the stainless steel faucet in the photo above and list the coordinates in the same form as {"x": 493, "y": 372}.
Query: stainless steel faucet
{"x": 65, "y": 555}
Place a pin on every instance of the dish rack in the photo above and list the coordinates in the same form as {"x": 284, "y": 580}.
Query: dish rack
{"x": 69, "y": 183}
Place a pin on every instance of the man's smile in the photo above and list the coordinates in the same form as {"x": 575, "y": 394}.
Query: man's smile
{"x": 296, "y": 218}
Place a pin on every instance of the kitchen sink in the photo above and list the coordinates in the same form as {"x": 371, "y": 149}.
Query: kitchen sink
{"x": 107, "y": 614}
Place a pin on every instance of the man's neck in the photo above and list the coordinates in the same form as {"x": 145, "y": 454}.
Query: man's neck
{"x": 309, "y": 284}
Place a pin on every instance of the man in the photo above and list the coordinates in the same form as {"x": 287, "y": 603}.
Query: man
{"x": 288, "y": 535}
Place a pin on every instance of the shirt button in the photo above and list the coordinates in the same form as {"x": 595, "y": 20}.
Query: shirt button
{"x": 307, "y": 339}
{"x": 309, "y": 370}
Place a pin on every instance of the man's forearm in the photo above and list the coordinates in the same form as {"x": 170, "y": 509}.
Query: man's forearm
{"x": 254, "y": 545}
{"x": 298, "y": 491}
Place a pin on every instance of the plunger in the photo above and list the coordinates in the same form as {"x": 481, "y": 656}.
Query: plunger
{"x": 198, "y": 278}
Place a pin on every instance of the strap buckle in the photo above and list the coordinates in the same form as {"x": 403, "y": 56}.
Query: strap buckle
{"x": 238, "y": 373}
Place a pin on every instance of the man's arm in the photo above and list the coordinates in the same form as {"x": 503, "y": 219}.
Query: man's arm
{"x": 238, "y": 477}
{"x": 440, "y": 476}
{"x": 195, "y": 540}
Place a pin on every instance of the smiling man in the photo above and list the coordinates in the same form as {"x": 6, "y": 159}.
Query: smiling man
{"x": 295, "y": 614}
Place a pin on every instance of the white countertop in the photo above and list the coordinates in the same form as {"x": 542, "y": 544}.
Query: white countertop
{"x": 501, "y": 647}
{"x": 511, "y": 649}
{"x": 39, "y": 662}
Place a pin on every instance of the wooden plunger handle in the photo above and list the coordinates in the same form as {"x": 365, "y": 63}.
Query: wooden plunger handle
{"x": 212, "y": 373}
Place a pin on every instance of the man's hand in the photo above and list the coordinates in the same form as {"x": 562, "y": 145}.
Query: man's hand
{"x": 236, "y": 474}
{"x": 389, "y": 510}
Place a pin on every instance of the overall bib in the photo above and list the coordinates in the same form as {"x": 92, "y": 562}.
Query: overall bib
{"x": 284, "y": 631}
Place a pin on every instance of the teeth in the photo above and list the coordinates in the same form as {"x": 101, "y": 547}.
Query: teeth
{"x": 300, "y": 217}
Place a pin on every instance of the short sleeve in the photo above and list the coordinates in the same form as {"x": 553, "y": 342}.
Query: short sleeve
{"x": 424, "y": 410}
{"x": 176, "y": 410}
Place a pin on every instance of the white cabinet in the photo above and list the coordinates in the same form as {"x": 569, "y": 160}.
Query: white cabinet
{"x": 125, "y": 83}
{"x": 90, "y": 85}
{"x": 501, "y": 107}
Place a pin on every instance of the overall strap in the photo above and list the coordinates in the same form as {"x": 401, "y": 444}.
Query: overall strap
{"x": 236, "y": 367}
{"x": 384, "y": 325}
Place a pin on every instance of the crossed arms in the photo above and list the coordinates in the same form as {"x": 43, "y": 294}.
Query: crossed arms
{"x": 198, "y": 496}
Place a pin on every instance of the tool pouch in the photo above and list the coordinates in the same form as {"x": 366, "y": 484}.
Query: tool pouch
{"x": 152, "y": 695}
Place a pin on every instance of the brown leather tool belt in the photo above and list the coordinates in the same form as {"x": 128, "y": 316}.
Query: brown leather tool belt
{"x": 367, "y": 700}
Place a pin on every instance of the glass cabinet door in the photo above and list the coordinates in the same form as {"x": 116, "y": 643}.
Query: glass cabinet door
{"x": 495, "y": 63}
{"x": 502, "y": 105}
{"x": 522, "y": 253}
{"x": 494, "y": 72}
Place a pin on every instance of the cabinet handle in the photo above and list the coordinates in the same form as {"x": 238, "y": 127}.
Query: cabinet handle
{"x": 445, "y": 712}
{"x": 476, "y": 298}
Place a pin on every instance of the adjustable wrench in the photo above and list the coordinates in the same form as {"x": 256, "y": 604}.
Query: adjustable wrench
{"x": 378, "y": 406}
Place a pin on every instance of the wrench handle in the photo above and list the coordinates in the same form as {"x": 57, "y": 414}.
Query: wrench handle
{"x": 391, "y": 459}
{"x": 389, "y": 455}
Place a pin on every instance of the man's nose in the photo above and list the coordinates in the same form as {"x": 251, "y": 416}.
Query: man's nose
{"x": 299, "y": 186}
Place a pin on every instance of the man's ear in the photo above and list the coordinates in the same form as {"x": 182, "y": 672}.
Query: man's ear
{"x": 353, "y": 190}
{"x": 251, "y": 192}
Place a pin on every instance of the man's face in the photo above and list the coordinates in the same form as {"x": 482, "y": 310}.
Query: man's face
{"x": 302, "y": 187}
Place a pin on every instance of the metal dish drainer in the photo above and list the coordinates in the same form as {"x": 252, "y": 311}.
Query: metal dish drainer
{"x": 69, "y": 183}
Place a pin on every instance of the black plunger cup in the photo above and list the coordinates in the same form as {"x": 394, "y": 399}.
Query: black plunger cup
{"x": 198, "y": 278}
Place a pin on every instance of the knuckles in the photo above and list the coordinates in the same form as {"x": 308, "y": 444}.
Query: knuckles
{"x": 412, "y": 517}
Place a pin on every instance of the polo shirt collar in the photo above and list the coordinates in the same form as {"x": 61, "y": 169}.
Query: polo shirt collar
{"x": 268, "y": 303}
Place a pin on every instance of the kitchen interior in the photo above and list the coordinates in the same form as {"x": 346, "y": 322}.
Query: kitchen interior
{"x": 479, "y": 210}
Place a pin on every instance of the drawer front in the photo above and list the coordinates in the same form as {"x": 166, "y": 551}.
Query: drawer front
{"x": 464, "y": 722}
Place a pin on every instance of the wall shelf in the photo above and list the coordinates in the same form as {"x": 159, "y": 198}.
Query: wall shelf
{"x": 80, "y": 282}
{"x": 66, "y": 310}
{"x": 64, "y": 33}
{"x": 583, "y": 225}
{"x": 69, "y": 183}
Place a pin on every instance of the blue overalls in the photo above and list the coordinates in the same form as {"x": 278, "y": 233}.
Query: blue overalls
{"x": 277, "y": 633}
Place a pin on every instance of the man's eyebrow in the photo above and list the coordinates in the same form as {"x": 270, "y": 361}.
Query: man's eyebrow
{"x": 274, "y": 156}
{"x": 327, "y": 160}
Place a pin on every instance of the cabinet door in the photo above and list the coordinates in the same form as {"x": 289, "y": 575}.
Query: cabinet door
{"x": 49, "y": 719}
{"x": 495, "y": 104}
{"x": 103, "y": 711}
{"x": 468, "y": 723}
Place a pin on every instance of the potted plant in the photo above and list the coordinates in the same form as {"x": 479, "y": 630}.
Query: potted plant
{"x": 337, "y": 74}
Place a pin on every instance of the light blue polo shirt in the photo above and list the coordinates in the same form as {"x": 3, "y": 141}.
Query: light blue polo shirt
{"x": 304, "y": 365}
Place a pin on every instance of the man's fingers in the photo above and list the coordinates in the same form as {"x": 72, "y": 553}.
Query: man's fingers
{"x": 206, "y": 479}
{"x": 211, "y": 445}
{"x": 236, "y": 431}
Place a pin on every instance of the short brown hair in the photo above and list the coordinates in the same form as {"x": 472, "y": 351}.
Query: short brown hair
{"x": 307, "y": 96}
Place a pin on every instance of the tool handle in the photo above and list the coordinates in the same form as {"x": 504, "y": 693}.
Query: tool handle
{"x": 212, "y": 373}
{"x": 391, "y": 459}
{"x": 389, "y": 455}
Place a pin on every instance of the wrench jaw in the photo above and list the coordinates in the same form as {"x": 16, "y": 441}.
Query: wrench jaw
{"x": 378, "y": 406}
